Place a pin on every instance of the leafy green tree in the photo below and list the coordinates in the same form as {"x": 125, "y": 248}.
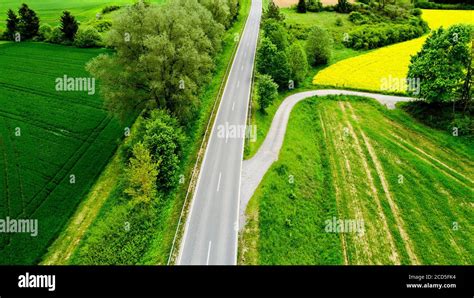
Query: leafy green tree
{"x": 164, "y": 138}
{"x": 273, "y": 12}
{"x": 28, "y": 24}
{"x": 12, "y": 25}
{"x": 277, "y": 34}
{"x": 301, "y": 6}
{"x": 298, "y": 62}
{"x": 141, "y": 175}
{"x": 220, "y": 10}
{"x": 273, "y": 62}
{"x": 69, "y": 26}
{"x": 343, "y": 6}
{"x": 163, "y": 57}
{"x": 319, "y": 46}
{"x": 267, "y": 91}
{"x": 444, "y": 66}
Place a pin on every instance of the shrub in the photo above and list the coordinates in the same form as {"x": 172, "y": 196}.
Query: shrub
{"x": 319, "y": 46}
{"x": 164, "y": 138}
{"x": 357, "y": 18}
{"x": 110, "y": 8}
{"x": 56, "y": 36}
{"x": 314, "y": 6}
{"x": 301, "y": 7}
{"x": 102, "y": 25}
{"x": 343, "y": 6}
{"x": 45, "y": 32}
{"x": 375, "y": 36}
{"x": 87, "y": 38}
{"x": 339, "y": 21}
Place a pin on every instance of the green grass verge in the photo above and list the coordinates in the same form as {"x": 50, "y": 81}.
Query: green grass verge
{"x": 351, "y": 158}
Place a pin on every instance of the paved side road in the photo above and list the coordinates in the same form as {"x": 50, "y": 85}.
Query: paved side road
{"x": 210, "y": 236}
{"x": 255, "y": 168}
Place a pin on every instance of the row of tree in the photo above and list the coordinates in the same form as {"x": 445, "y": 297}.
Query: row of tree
{"x": 26, "y": 26}
{"x": 283, "y": 64}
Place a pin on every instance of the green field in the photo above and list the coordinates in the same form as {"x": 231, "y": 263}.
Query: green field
{"x": 49, "y": 11}
{"x": 352, "y": 159}
{"x": 61, "y": 134}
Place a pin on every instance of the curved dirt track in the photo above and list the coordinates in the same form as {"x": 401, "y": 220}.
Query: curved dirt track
{"x": 255, "y": 168}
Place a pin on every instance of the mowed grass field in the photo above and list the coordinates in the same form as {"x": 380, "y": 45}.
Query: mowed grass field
{"x": 61, "y": 134}
{"x": 49, "y": 11}
{"x": 352, "y": 159}
{"x": 367, "y": 71}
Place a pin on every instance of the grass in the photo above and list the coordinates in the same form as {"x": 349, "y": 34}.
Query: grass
{"x": 62, "y": 134}
{"x": 49, "y": 11}
{"x": 367, "y": 71}
{"x": 353, "y": 159}
{"x": 166, "y": 219}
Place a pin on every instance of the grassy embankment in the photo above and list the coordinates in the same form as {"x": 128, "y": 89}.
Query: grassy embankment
{"x": 353, "y": 159}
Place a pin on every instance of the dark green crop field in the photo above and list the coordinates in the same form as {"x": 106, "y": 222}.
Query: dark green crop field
{"x": 53, "y": 145}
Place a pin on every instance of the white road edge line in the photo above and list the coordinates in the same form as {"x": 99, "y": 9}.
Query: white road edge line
{"x": 219, "y": 181}
{"x": 233, "y": 105}
{"x": 208, "y": 252}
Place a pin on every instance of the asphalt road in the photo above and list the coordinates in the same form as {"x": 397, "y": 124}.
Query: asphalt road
{"x": 255, "y": 168}
{"x": 210, "y": 236}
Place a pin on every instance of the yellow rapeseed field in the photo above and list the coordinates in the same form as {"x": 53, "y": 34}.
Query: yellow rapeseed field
{"x": 388, "y": 64}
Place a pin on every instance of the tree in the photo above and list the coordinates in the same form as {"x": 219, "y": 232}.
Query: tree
{"x": 276, "y": 33}
{"x": 12, "y": 25}
{"x": 164, "y": 138}
{"x": 273, "y": 12}
{"x": 141, "y": 175}
{"x": 267, "y": 91}
{"x": 343, "y": 6}
{"x": 298, "y": 63}
{"x": 319, "y": 46}
{"x": 69, "y": 26}
{"x": 273, "y": 62}
{"x": 444, "y": 66}
{"x": 163, "y": 56}
{"x": 220, "y": 10}
{"x": 28, "y": 24}
{"x": 301, "y": 7}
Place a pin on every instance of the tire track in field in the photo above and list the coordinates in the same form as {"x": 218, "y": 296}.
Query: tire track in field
{"x": 6, "y": 184}
{"x": 54, "y": 95}
{"x": 394, "y": 256}
{"x": 355, "y": 200}
{"x": 16, "y": 154}
{"x": 337, "y": 191}
{"x": 388, "y": 195}
{"x": 82, "y": 149}
{"x": 461, "y": 252}
{"x": 40, "y": 124}
{"x": 406, "y": 145}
